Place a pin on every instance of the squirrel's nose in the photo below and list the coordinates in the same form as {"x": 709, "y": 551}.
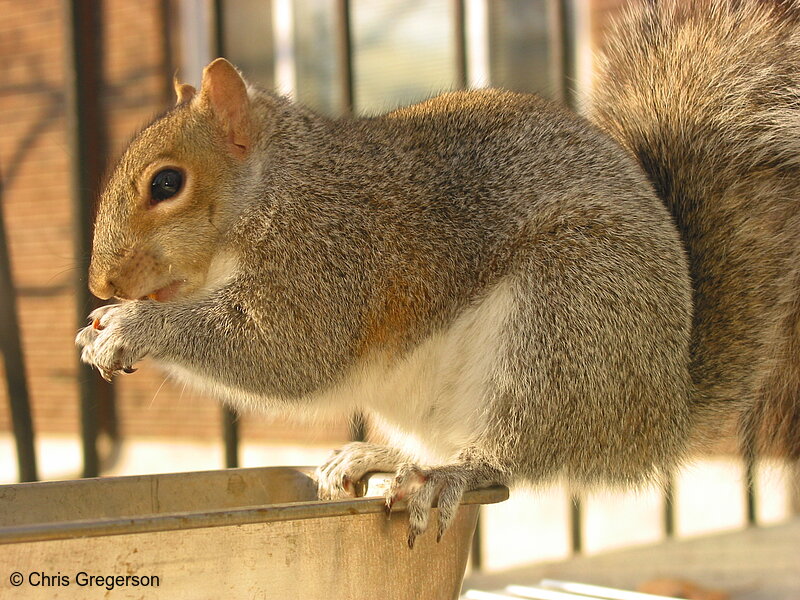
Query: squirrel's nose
{"x": 102, "y": 288}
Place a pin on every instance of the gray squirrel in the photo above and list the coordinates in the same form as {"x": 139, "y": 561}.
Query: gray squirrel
{"x": 510, "y": 292}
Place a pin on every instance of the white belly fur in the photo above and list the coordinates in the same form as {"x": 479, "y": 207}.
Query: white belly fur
{"x": 432, "y": 403}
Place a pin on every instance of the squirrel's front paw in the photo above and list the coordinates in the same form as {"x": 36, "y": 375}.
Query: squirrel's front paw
{"x": 105, "y": 343}
{"x": 339, "y": 476}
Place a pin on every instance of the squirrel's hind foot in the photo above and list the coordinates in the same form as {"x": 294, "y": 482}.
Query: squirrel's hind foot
{"x": 443, "y": 485}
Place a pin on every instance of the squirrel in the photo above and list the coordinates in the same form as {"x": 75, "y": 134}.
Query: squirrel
{"x": 509, "y": 291}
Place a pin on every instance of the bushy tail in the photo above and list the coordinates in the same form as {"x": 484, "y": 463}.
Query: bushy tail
{"x": 706, "y": 94}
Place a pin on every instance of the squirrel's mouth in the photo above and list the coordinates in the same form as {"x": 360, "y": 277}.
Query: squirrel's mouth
{"x": 166, "y": 293}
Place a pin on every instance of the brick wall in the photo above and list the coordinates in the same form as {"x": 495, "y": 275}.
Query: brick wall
{"x": 138, "y": 63}
{"x": 35, "y": 167}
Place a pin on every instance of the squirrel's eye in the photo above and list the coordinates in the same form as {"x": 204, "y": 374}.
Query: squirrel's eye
{"x": 166, "y": 183}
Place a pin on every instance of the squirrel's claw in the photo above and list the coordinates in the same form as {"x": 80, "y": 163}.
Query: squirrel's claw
{"x": 416, "y": 485}
{"x": 442, "y": 486}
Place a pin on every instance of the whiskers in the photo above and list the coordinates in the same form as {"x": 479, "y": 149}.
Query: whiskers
{"x": 73, "y": 268}
{"x": 152, "y": 400}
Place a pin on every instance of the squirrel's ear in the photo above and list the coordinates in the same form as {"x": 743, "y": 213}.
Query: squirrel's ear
{"x": 224, "y": 91}
{"x": 183, "y": 91}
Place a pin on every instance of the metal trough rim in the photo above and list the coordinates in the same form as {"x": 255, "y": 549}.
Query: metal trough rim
{"x": 58, "y": 530}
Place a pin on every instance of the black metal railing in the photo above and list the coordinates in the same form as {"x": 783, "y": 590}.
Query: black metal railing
{"x": 14, "y": 361}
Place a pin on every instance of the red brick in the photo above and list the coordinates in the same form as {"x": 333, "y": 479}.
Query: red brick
{"x": 38, "y": 214}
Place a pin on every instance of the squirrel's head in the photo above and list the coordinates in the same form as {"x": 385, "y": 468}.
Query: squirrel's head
{"x": 162, "y": 217}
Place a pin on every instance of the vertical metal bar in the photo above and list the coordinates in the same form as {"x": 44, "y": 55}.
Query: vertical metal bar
{"x": 576, "y": 524}
{"x": 750, "y": 483}
{"x": 230, "y": 432}
{"x": 669, "y": 506}
{"x": 344, "y": 43}
{"x": 567, "y": 51}
{"x": 555, "y": 18}
{"x": 230, "y": 419}
{"x": 14, "y": 360}
{"x": 749, "y": 451}
{"x": 476, "y": 551}
{"x": 462, "y": 82}
{"x": 750, "y": 464}
{"x": 460, "y": 41}
{"x": 344, "y": 40}
{"x": 166, "y": 16}
{"x": 84, "y": 115}
{"x": 218, "y": 24}
{"x": 358, "y": 427}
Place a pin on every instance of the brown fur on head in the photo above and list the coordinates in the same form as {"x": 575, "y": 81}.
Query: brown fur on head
{"x": 144, "y": 246}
